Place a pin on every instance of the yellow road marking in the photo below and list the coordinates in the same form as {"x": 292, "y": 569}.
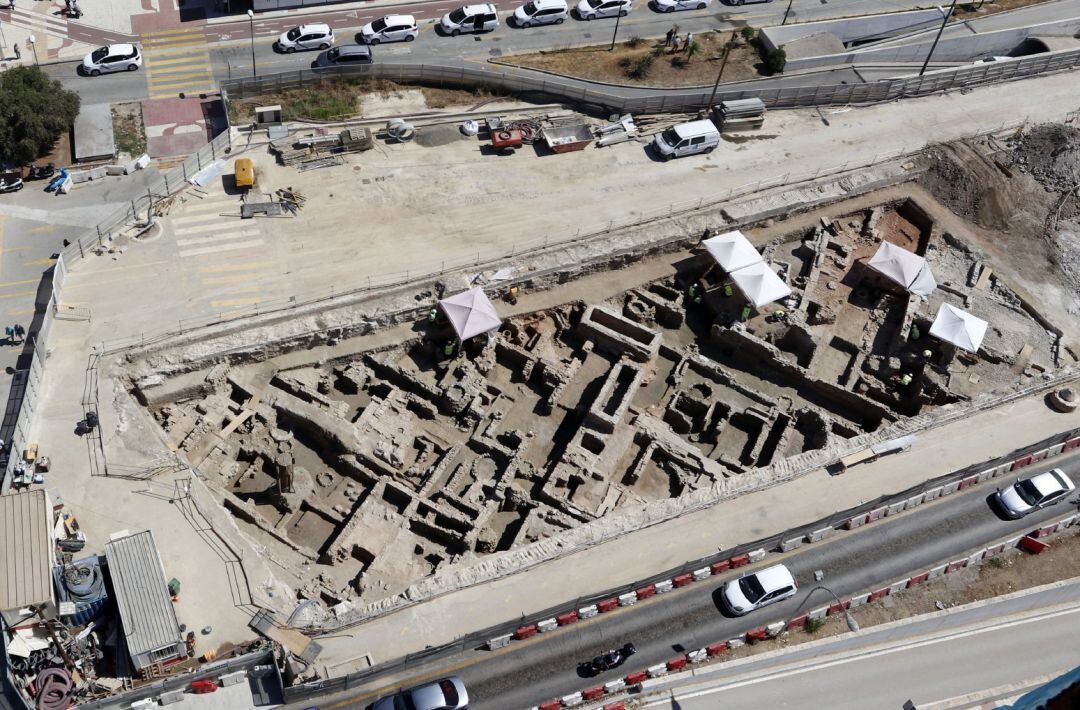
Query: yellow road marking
{"x": 235, "y": 267}
{"x": 157, "y": 47}
{"x": 174, "y": 31}
{"x": 17, "y": 283}
{"x": 173, "y": 79}
{"x": 40, "y": 262}
{"x": 20, "y": 294}
{"x": 175, "y": 60}
{"x": 22, "y": 312}
{"x": 6, "y": 250}
{"x": 44, "y": 228}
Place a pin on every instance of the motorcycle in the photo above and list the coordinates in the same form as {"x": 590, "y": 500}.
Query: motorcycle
{"x": 612, "y": 658}
{"x": 10, "y": 184}
{"x": 40, "y": 172}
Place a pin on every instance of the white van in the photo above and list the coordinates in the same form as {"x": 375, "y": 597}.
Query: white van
{"x": 541, "y": 12}
{"x": 687, "y": 139}
{"x": 471, "y": 18}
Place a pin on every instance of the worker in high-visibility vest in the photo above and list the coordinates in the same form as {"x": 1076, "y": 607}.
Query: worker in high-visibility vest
{"x": 906, "y": 380}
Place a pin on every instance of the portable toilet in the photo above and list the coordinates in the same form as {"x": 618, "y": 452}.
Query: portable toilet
{"x": 245, "y": 173}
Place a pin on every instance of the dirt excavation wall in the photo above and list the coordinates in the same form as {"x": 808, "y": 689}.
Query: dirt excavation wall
{"x": 384, "y": 471}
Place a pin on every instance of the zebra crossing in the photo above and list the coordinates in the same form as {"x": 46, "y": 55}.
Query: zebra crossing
{"x": 201, "y": 230}
{"x": 228, "y": 262}
{"x": 177, "y": 61}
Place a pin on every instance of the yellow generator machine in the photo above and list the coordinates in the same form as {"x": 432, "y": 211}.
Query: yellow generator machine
{"x": 245, "y": 173}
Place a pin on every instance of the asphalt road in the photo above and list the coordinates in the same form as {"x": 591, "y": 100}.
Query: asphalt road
{"x": 545, "y": 667}
{"x": 230, "y": 44}
{"x": 938, "y": 658}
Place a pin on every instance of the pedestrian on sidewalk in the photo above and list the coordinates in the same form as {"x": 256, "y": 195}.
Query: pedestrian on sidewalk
{"x": 20, "y": 332}
{"x": 676, "y": 44}
{"x": 10, "y": 333}
{"x": 669, "y": 36}
{"x": 689, "y": 39}
{"x": 18, "y": 52}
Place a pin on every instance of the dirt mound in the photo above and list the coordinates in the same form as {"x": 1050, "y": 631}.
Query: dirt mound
{"x": 1051, "y": 154}
{"x": 962, "y": 181}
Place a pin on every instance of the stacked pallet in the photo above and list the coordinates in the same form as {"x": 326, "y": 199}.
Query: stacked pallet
{"x": 740, "y": 115}
{"x": 288, "y": 154}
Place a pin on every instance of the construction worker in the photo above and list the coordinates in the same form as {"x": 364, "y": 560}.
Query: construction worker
{"x": 746, "y": 313}
{"x": 780, "y": 314}
{"x": 915, "y": 332}
{"x": 927, "y": 354}
{"x": 432, "y": 315}
{"x": 727, "y": 291}
{"x": 693, "y": 294}
{"x": 906, "y": 380}
{"x": 448, "y": 349}
{"x": 512, "y": 295}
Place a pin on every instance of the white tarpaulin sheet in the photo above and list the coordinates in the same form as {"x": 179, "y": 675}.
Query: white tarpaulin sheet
{"x": 904, "y": 267}
{"x": 760, "y": 284}
{"x": 470, "y": 313}
{"x": 205, "y": 176}
{"x": 732, "y": 251}
{"x": 958, "y": 327}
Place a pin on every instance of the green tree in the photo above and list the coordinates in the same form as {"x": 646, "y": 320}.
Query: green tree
{"x": 691, "y": 50}
{"x": 748, "y": 33}
{"x": 776, "y": 60}
{"x": 34, "y": 111}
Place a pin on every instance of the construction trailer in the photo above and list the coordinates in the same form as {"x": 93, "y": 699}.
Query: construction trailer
{"x": 141, "y": 590}
{"x": 27, "y": 556}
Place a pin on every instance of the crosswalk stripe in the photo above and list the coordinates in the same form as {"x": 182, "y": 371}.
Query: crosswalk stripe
{"x": 220, "y": 248}
{"x": 208, "y": 217}
{"x": 198, "y": 241}
{"x": 223, "y": 268}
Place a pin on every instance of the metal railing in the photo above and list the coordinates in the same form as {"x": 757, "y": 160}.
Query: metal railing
{"x": 626, "y": 99}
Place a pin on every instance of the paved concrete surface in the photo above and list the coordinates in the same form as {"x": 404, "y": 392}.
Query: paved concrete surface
{"x": 984, "y": 652}
{"x": 525, "y": 674}
{"x": 179, "y": 127}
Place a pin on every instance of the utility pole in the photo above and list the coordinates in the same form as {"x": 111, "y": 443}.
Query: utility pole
{"x": 787, "y": 11}
{"x": 33, "y": 45}
{"x": 723, "y": 63}
{"x": 941, "y": 29}
{"x": 251, "y": 26}
{"x": 616, "y": 32}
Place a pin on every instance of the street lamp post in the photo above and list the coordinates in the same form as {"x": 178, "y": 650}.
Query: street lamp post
{"x": 941, "y": 29}
{"x": 251, "y": 27}
{"x": 723, "y": 63}
{"x": 33, "y": 46}
{"x": 616, "y": 32}
{"x": 788, "y": 10}
{"x": 852, "y": 624}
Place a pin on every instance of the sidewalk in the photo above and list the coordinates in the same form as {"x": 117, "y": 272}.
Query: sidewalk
{"x": 639, "y": 554}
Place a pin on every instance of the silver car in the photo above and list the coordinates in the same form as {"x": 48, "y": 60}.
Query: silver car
{"x": 446, "y": 694}
{"x": 1029, "y": 494}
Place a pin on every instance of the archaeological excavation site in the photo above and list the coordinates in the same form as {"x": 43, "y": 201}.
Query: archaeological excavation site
{"x": 491, "y": 414}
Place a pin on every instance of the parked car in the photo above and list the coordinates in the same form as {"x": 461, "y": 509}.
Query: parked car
{"x": 687, "y": 139}
{"x": 673, "y": 5}
{"x": 446, "y": 694}
{"x": 112, "y": 58}
{"x": 592, "y": 9}
{"x": 471, "y": 18}
{"x": 754, "y": 590}
{"x": 392, "y": 28}
{"x": 1029, "y": 494}
{"x": 541, "y": 12}
{"x": 346, "y": 55}
{"x": 314, "y": 36}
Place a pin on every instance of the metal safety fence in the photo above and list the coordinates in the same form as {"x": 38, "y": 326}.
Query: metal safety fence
{"x": 638, "y": 100}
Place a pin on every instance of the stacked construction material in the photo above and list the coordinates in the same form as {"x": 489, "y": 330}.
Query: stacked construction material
{"x": 740, "y": 115}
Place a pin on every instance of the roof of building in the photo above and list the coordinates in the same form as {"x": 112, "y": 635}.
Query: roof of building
{"x": 26, "y": 549}
{"x": 142, "y": 593}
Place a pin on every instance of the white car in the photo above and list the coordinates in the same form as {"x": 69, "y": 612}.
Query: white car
{"x": 1029, "y": 494}
{"x": 471, "y": 18}
{"x": 114, "y": 57}
{"x": 541, "y": 12}
{"x": 673, "y": 5}
{"x": 592, "y": 9}
{"x": 392, "y": 28}
{"x": 315, "y": 36}
{"x": 754, "y": 590}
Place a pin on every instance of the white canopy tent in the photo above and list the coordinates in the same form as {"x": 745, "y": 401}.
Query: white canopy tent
{"x": 905, "y": 268}
{"x": 732, "y": 251}
{"x": 760, "y": 284}
{"x": 470, "y": 313}
{"x": 958, "y": 327}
